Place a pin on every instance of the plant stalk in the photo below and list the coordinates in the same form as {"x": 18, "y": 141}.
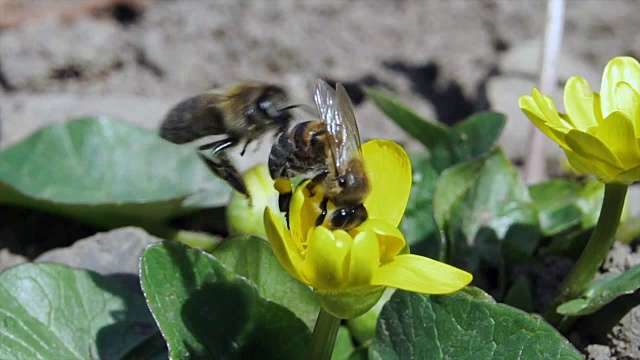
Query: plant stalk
{"x": 594, "y": 253}
{"x": 535, "y": 162}
{"x": 324, "y": 336}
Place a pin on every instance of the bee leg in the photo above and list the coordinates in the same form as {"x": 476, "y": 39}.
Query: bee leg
{"x": 283, "y": 202}
{"x": 315, "y": 181}
{"x": 323, "y": 211}
{"x": 224, "y": 169}
{"x": 285, "y": 191}
{"x": 219, "y": 145}
{"x": 244, "y": 148}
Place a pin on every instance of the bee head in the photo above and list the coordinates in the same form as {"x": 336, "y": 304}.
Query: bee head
{"x": 273, "y": 104}
{"x": 353, "y": 185}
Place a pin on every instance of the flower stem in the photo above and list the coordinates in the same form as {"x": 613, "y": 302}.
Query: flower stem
{"x": 594, "y": 253}
{"x": 324, "y": 336}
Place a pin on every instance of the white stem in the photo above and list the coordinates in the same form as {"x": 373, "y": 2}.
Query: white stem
{"x": 535, "y": 170}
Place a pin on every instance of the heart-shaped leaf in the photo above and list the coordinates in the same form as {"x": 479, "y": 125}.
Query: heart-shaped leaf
{"x": 563, "y": 204}
{"x": 493, "y": 217}
{"x": 50, "y": 311}
{"x": 252, "y": 258}
{"x": 477, "y": 135}
{"x": 463, "y": 326}
{"x": 602, "y": 291}
{"x": 474, "y": 137}
{"x": 206, "y": 311}
{"x": 107, "y": 173}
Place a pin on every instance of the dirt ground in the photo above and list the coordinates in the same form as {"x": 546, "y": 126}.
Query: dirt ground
{"x": 134, "y": 59}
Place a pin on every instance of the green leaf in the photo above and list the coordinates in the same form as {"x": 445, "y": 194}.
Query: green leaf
{"x": 520, "y": 295}
{"x": 252, "y": 258}
{"x": 493, "y": 218}
{"x": 563, "y": 204}
{"x": 450, "y": 186}
{"x": 472, "y": 138}
{"x": 418, "y": 224}
{"x": 590, "y": 197}
{"x": 477, "y": 135}
{"x": 602, "y": 291}
{"x": 461, "y": 326}
{"x": 344, "y": 346}
{"x": 428, "y": 133}
{"x": 107, "y": 173}
{"x": 50, "y": 311}
{"x": 206, "y": 311}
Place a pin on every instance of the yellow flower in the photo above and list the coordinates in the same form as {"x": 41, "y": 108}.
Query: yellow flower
{"x": 600, "y": 133}
{"x": 350, "y": 270}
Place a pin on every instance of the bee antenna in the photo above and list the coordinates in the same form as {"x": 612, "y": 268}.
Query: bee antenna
{"x": 289, "y": 107}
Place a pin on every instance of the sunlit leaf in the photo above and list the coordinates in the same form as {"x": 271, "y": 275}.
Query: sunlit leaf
{"x": 602, "y": 291}
{"x": 107, "y": 173}
{"x": 463, "y": 326}
{"x": 51, "y": 311}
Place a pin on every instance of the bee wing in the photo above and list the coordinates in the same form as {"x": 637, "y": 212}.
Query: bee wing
{"x": 345, "y": 108}
{"x": 336, "y": 111}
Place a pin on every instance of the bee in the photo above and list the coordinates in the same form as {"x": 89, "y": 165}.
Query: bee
{"x": 328, "y": 152}
{"x": 243, "y": 113}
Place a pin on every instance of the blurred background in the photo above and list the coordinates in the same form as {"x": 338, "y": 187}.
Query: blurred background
{"x": 134, "y": 59}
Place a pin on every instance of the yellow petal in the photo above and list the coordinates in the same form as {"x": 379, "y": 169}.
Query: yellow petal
{"x": 629, "y": 176}
{"x": 548, "y": 108}
{"x": 628, "y": 101}
{"x": 622, "y": 68}
{"x": 303, "y": 212}
{"x": 390, "y": 239}
{"x": 597, "y": 107}
{"x": 421, "y": 274}
{"x": 617, "y": 133}
{"x": 578, "y": 102}
{"x": 283, "y": 246}
{"x": 590, "y": 147}
{"x": 389, "y": 170}
{"x": 327, "y": 260}
{"x": 603, "y": 171}
{"x": 530, "y": 109}
{"x": 365, "y": 255}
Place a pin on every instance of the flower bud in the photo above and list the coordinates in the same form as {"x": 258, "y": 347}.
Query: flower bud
{"x": 245, "y": 216}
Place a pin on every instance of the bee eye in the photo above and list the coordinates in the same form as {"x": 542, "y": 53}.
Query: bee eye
{"x": 268, "y": 108}
{"x": 342, "y": 181}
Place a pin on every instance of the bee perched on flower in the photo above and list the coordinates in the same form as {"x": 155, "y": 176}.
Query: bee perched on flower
{"x": 600, "y": 133}
{"x": 349, "y": 267}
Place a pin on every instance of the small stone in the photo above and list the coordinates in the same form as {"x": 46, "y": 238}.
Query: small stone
{"x": 598, "y": 352}
{"x": 8, "y": 259}
{"x": 114, "y": 252}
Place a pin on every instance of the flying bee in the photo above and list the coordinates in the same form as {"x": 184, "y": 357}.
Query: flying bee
{"x": 329, "y": 152}
{"x": 243, "y": 113}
